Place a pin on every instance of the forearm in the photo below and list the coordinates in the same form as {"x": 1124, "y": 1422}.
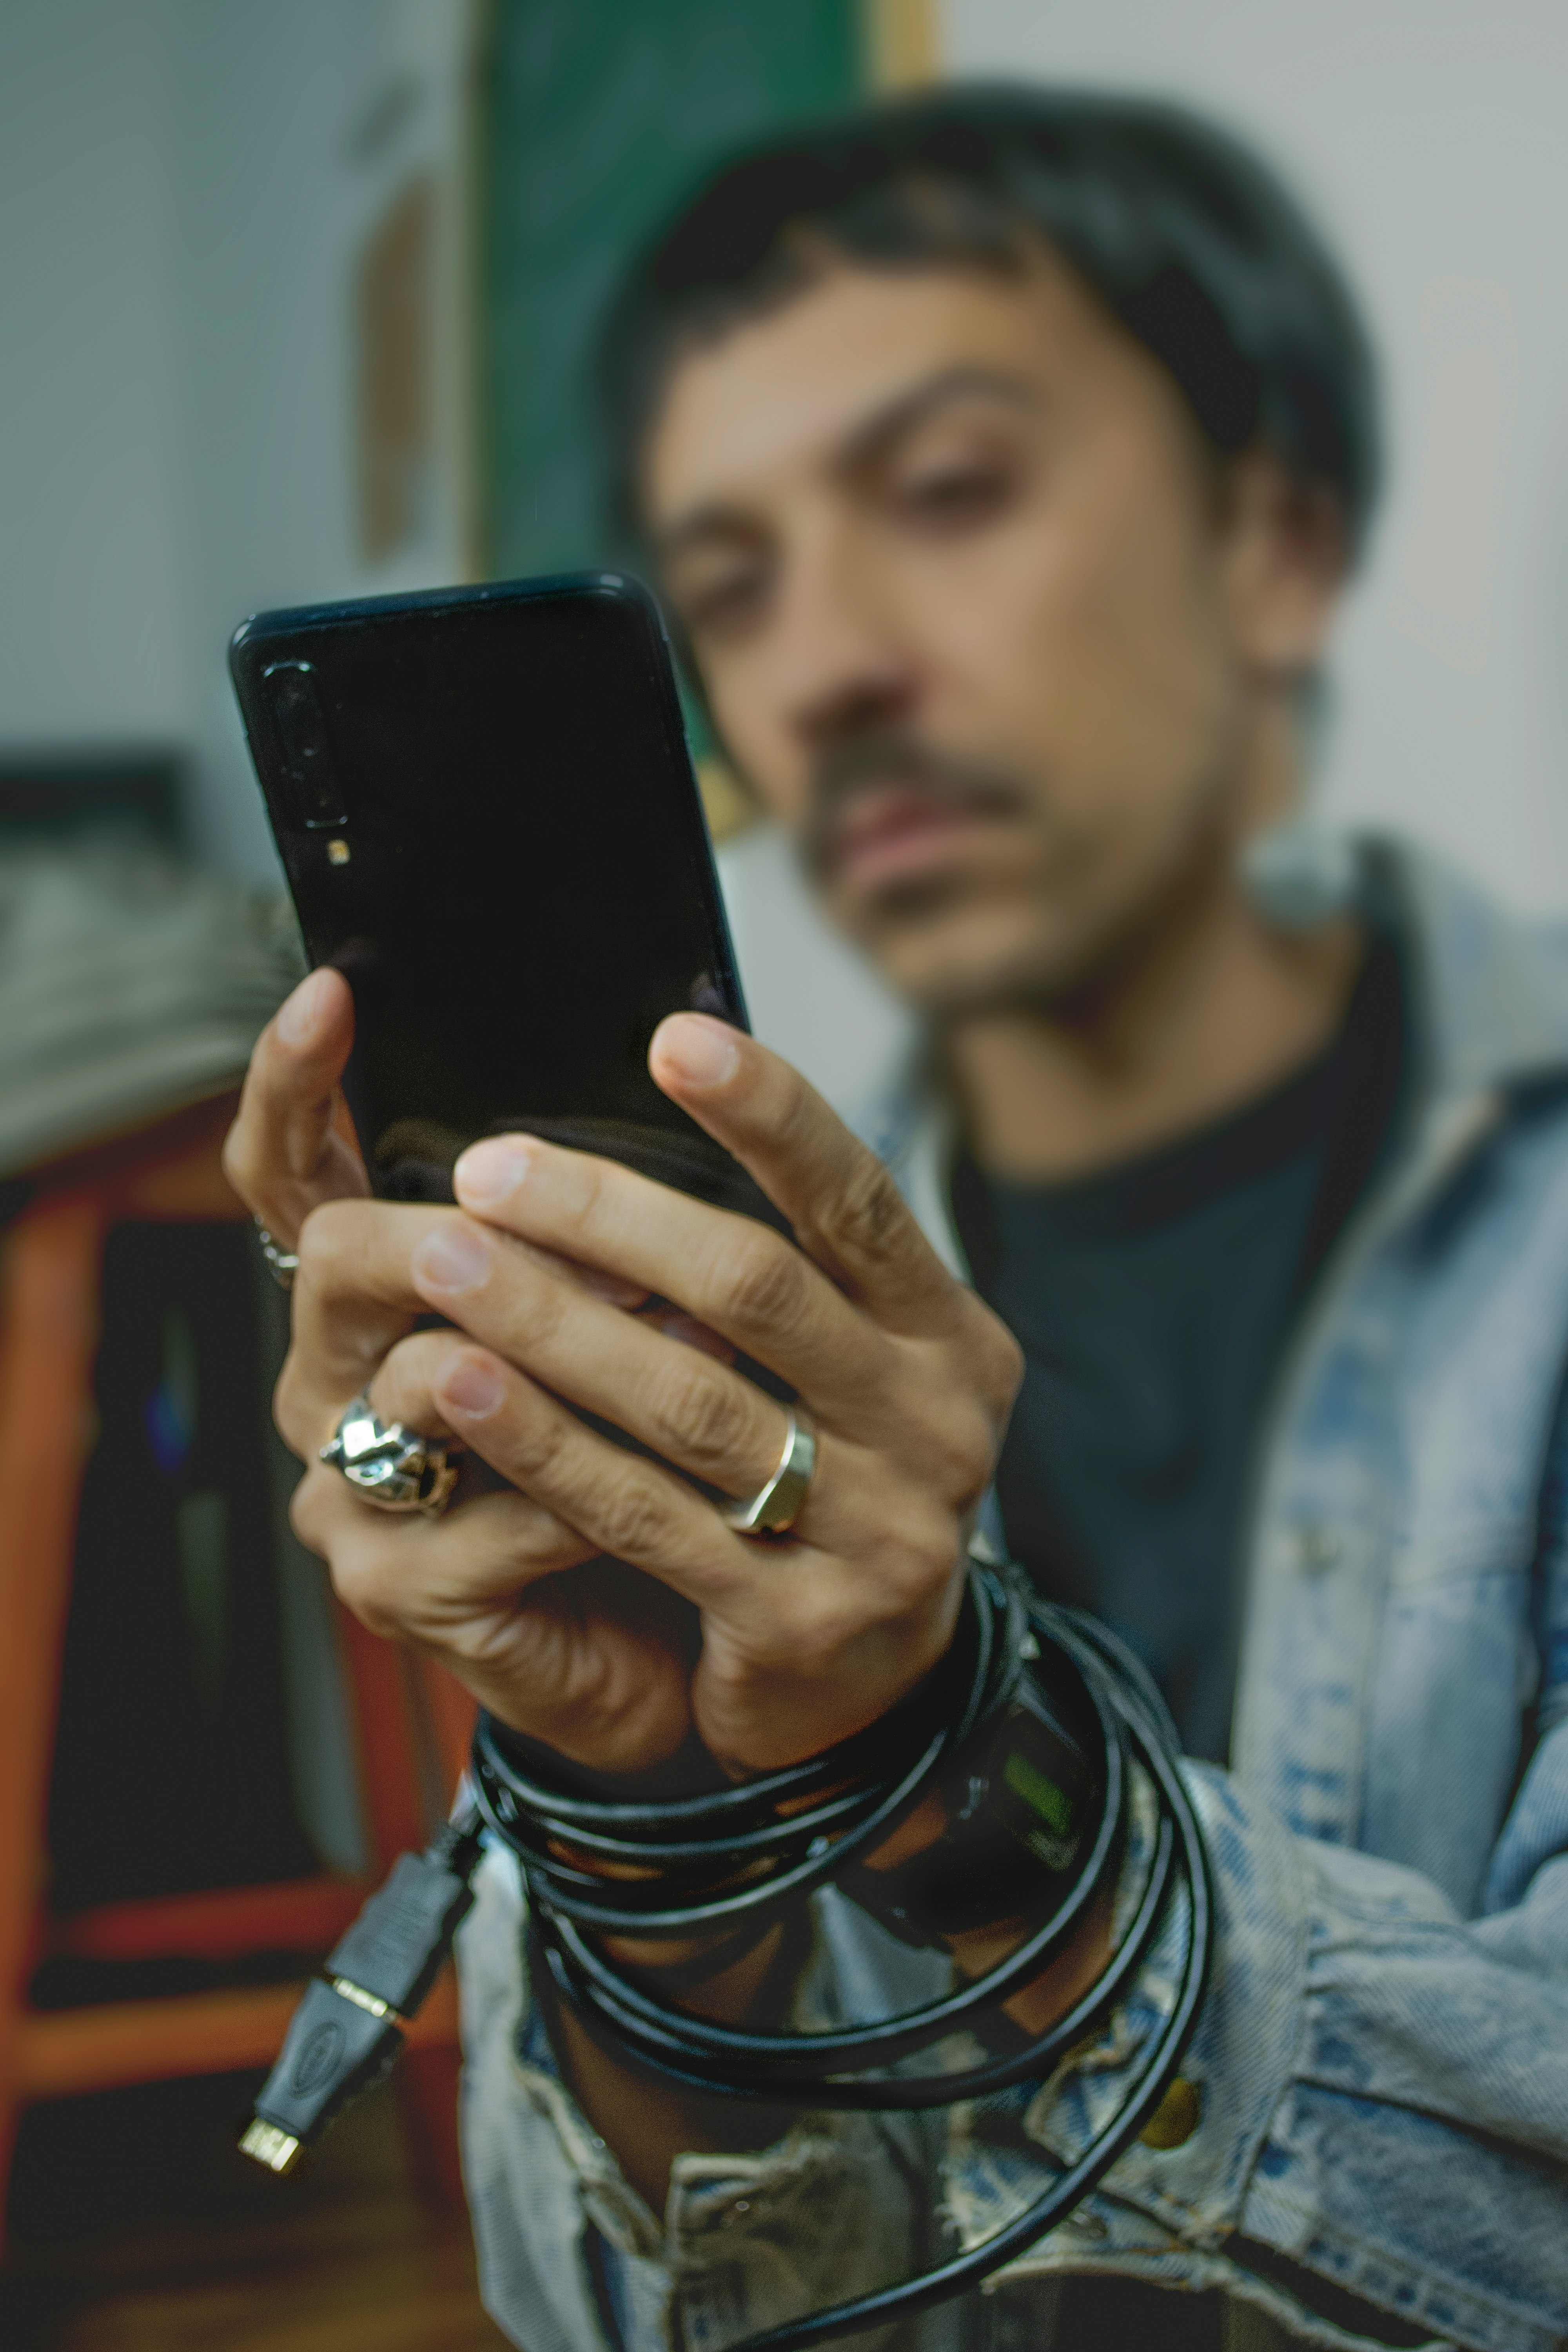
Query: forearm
{"x": 835, "y": 2205}
{"x": 650, "y": 2121}
{"x": 647, "y": 2120}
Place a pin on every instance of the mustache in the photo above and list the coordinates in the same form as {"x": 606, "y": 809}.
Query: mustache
{"x": 864, "y": 763}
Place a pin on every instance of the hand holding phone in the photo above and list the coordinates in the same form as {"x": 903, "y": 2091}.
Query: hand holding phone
{"x": 595, "y": 1598}
{"x": 489, "y": 821}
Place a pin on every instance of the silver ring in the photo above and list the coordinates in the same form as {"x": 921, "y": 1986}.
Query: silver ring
{"x": 389, "y": 1465}
{"x": 773, "y": 1509}
{"x": 281, "y": 1264}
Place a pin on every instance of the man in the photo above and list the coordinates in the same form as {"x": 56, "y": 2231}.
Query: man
{"x": 1001, "y": 459}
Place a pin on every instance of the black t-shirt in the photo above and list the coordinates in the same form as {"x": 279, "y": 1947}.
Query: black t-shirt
{"x": 1154, "y": 1302}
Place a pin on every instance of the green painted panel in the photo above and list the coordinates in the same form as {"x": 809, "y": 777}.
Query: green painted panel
{"x": 599, "y": 115}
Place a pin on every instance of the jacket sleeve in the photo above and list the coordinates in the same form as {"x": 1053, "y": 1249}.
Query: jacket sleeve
{"x": 1380, "y": 2148}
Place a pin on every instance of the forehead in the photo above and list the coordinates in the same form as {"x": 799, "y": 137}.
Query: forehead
{"x": 784, "y": 392}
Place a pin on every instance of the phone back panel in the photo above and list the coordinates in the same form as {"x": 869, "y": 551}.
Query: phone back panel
{"x": 487, "y": 814}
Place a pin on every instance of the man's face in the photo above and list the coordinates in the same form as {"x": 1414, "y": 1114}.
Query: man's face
{"x": 969, "y": 616}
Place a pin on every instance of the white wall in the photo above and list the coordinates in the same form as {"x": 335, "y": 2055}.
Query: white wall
{"x": 90, "y": 646}
{"x": 1426, "y": 136}
{"x": 184, "y": 186}
{"x": 278, "y": 176}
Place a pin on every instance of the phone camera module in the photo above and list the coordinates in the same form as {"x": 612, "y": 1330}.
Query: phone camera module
{"x": 307, "y": 754}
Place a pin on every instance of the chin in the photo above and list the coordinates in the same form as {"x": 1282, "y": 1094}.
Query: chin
{"x": 1042, "y": 950}
{"x": 956, "y": 945}
{"x": 990, "y": 967}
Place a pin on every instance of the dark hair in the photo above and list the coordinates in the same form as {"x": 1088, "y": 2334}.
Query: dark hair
{"x": 1184, "y": 236}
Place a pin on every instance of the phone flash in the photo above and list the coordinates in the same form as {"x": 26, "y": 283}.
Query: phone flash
{"x": 338, "y": 853}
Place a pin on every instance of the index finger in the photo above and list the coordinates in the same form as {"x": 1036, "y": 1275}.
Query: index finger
{"x": 848, "y": 1212}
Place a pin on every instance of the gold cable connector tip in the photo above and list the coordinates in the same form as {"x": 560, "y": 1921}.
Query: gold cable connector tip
{"x": 279, "y": 2151}
{"x": 360, "y": 1998}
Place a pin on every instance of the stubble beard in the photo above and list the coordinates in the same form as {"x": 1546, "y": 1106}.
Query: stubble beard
{"x": 1074, "y": 974}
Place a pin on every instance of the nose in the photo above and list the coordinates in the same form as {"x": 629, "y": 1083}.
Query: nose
{"x": 863, "y": 697}
{"x": 848, "y": 669}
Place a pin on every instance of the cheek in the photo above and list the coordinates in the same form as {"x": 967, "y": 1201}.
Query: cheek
{"x": 747, "y": 714}
{"x": 1087, "y": 648}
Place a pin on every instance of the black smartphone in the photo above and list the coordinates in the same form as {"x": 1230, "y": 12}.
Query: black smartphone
{"x": 489, "y": 820}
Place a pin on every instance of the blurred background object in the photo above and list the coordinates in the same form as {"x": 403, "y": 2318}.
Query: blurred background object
{"x": 208, "y": 214}
{"x": 192, "y": 1792}
{"x": 298, "y": 296}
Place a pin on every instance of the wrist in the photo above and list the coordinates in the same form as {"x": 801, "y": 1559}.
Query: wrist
{"x": 1063, "y": 1981}
{"x": 729, "y": 1979}
{"x": 998, "y": 1842}
{"x": 690, "y": 1771}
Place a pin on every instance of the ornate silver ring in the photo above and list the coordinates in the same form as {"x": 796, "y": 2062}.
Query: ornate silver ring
{"x": 389, "y": 1465}
{"x": 773, "y": 1509}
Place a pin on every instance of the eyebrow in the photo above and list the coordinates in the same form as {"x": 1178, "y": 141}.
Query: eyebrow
{"x": 866, "y": 443}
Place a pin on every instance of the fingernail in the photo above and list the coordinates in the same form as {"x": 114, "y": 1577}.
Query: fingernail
{"x": 302, "y": 1014}
{"x": 469, "y": 1384}
{"x": 489, "y": 1172}
{"x": 451, "y": 1258}
{"x": 702, "y": 1051}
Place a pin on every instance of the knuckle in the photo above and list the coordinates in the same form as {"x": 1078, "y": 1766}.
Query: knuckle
{"x": 585, "y": 1199}
{"x": 995, "y": 1357}
{"x": 972, "y": 1446}
{"x": 704, "y": 1421}
{"x": 302, "y": 1516}
{"x": 536, "y": 1450}
{"x": 328, "y": 1246}
{"x": 295, "y": 1409}
{"x": 1003, "y": 1362}
{"x": 239, "y": 1160}
{"x": 869, "y": 1214}
{"x": 964, "y": 1453}
{"x": 546, "y": 1304}
{"x": 764, "y": 1283}
{"x": 632, "y": 1521}
{"x": 917, "y": 1558}
{"x": 360, "y": 1581}
{"x": 315, "y": 1513}
{"x": 794, "y": 1124}
{"x": 950, "y": 1434}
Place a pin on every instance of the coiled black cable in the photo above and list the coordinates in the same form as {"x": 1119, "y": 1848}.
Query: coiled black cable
{"x": 739, "y": 1858}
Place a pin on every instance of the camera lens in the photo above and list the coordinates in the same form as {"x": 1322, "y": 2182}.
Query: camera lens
{"x": 307, "y": 754}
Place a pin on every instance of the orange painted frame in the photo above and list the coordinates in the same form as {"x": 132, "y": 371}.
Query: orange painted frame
{"x": 412, "y": 1723}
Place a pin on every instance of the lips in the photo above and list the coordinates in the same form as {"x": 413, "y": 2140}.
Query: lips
{"x": 890, "y": 834}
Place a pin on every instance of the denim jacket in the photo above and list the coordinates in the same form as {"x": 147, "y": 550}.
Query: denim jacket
{"x": 1381, "y": 2061}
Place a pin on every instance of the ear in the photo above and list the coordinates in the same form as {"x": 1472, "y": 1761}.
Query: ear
{"x": 1285, "y": 557}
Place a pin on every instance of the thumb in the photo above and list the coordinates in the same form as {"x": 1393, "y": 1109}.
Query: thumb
{"x": 290, "y": 1148}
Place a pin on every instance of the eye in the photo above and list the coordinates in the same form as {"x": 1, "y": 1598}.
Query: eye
{"x": 957, "y": 493}
{"x": 725, "y": 600}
